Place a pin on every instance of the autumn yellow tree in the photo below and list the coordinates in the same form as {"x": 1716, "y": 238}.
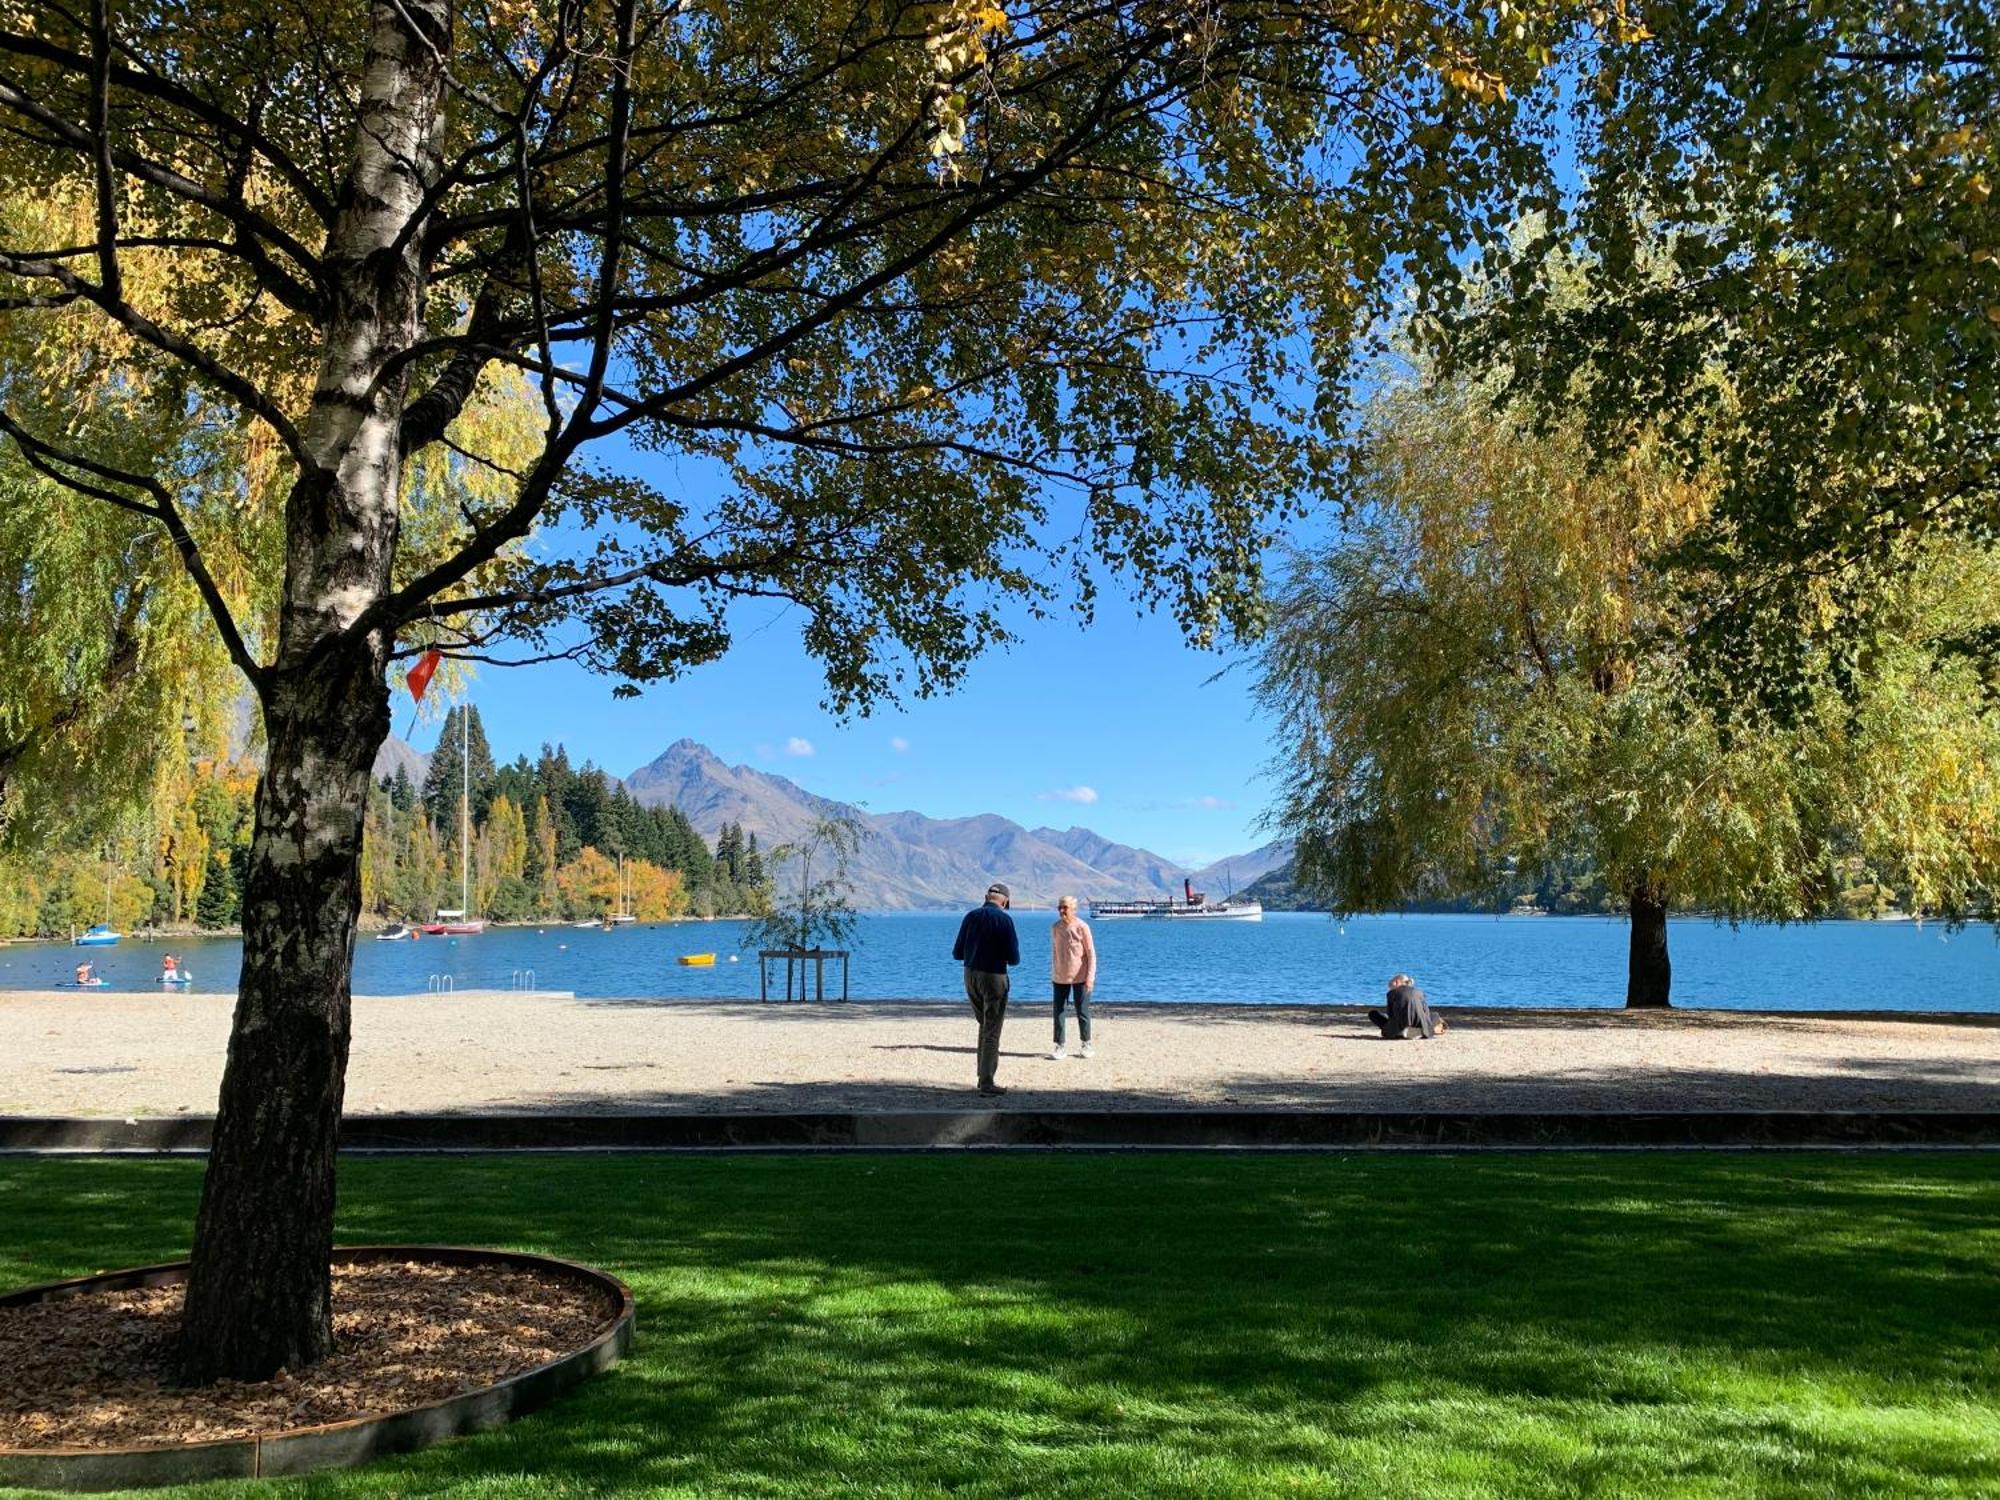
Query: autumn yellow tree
{"x": 589, "y": 884}
{"x": 500, "y": 852}
{"x": 548, "y": 893}
{"x": 653, "y": 894}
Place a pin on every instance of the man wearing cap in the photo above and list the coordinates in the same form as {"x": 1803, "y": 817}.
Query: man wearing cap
{"x": 988, "y": 947}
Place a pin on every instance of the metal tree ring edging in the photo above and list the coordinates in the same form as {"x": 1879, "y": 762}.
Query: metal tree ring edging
{"x": 332, "y": 1445}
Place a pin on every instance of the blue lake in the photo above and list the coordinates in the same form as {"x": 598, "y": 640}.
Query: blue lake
{"x": 1283, "y": 959}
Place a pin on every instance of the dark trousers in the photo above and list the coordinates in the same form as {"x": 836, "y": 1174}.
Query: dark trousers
{"x": 988, "y": 994}
{"x": 1082, "y": 994}
{"x": 1416, "y": 1024}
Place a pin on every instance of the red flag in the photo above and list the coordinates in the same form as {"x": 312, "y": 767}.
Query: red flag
{"x": 420, "y": 675}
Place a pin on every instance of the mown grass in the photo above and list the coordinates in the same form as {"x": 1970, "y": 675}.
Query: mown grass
{"x": 1619, "y": 1324}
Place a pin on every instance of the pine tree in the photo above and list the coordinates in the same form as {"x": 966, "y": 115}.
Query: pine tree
{"x": 443, "y": 784}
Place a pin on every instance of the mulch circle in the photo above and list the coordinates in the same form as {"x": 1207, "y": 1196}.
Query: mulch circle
{"x": 459, "y": 1338}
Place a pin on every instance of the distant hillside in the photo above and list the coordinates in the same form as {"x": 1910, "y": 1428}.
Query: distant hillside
{"x": 397, "y": 751}
{"x": 1239, "y": 872}
{"x": 910, "y": 861}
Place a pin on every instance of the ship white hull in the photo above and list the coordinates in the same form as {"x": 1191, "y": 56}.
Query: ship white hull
{"x": 1244, "y": 911}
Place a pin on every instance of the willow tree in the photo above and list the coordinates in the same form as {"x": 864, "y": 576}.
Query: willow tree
{"x": 102, "y": 651}
{"x": 1490, "y": 675}
{"x": 942, "y": 302}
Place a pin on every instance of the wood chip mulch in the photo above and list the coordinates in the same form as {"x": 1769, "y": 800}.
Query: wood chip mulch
{"x": 90, "y": 1371}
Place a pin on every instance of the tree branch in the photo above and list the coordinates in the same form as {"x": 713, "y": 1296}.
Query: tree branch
{"x": 57, "y": 465}
{"x": 145, "y": 82}
{"x": 246, "y": 220}
{"x": 100, "y": 122}
{"x": 147, "y": 331}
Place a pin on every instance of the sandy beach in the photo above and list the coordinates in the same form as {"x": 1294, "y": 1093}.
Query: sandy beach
{"x": 67, "y": 1054}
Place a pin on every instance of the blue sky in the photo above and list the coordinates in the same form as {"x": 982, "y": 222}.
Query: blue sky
{"x": 1114, "y": 726}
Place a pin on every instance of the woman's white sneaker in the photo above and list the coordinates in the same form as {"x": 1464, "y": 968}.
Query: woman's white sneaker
{"x": 1060, "y": 1053}
{"x": 1084, "y": 1050}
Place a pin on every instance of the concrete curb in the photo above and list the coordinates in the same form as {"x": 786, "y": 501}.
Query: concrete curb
{"x": 1031, "y": 1129}
{"x": 335, "y": 1445}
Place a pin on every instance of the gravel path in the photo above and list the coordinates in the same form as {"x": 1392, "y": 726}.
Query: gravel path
{"x": 67, "y": 1054}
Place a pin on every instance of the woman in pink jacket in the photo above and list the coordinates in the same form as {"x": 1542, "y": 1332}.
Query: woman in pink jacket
{"x": 1073, "y": 967}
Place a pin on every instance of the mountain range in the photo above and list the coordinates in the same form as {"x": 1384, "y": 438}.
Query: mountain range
{"x": 909, "y": 861}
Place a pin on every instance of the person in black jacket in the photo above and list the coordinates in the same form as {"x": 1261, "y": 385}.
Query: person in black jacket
{"x": 1409, "y": 1012}
{"x": 988, "y": 947}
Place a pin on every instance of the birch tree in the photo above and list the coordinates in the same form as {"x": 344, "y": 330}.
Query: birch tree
{"x": 955, "y": 303}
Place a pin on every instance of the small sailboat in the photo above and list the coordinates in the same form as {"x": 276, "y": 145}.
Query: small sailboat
{"x": 621, "y": 916}
{"x": 454, "y": 921}
{"x": 101, "y": 935}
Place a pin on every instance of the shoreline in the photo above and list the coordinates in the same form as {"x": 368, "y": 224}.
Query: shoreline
{"x": 370, "y": 924}
{"x": 123, "y": 1054}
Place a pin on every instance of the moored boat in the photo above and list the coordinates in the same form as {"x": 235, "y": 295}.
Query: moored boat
{"x": 1107, "y": 910}
{"x": 698, "y": 960}
{"x": 1193, "y": 904}
{"x": 395, "y": 932}
{"x": 100, "y": 936}
{"x": 1220, "y": 911}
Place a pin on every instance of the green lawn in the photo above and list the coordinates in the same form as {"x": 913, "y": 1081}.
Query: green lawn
{"x": 1620, "y": 1324}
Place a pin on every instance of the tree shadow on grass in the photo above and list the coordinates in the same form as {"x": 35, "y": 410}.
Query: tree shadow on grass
{"x": 1147, "y": 1325}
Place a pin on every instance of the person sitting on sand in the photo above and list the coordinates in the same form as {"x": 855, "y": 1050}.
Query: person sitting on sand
{"x": 1409, "y": 1013}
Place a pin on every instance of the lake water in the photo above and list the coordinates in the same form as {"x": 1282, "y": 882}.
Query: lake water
{"x": 1286, "y": 958}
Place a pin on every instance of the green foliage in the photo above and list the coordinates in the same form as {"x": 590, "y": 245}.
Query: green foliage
{"x": 807, "y": 909}
{"x": 1788, "y": 249}
{"x": 954, "y": 306}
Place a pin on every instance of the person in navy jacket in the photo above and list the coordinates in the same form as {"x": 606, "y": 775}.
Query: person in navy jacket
{"x": 988, "y": 947}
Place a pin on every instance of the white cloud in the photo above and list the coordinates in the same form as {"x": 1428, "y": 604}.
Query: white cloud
{"x": 797, "y": 746}
{"x": 898, "y": 744}
{"x": 1211, "y": 804}
{"x": 1083, "y": 794}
